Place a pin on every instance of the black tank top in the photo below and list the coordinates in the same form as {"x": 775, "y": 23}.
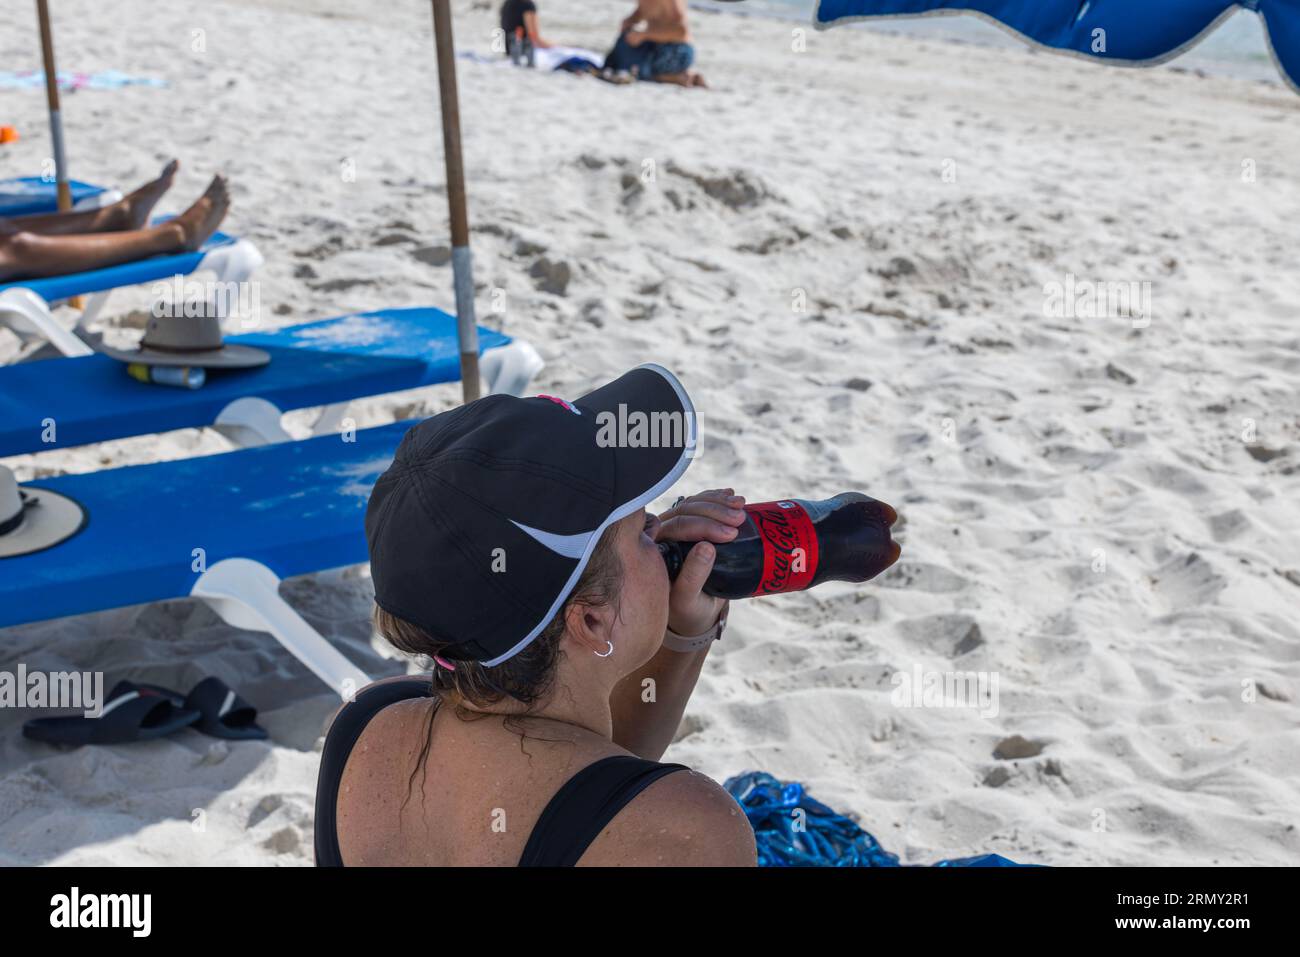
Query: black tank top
{"x": 574, "y": 818}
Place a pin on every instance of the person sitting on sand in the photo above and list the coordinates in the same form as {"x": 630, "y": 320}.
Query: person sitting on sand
{"x": 510, "y": 545}
{"x": 519, "y": 23}
{"x": 654, "y": 43}
{"x": 55, "y": 244}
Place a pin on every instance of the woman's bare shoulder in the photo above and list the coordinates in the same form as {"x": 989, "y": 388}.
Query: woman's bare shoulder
{"x": 684, "y": 819}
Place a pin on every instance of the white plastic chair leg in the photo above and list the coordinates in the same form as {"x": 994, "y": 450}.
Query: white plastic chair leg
{"x": 250, "y": 422}
{"x": 246, "y": 594}
{"x": 235, "y": 264}
{"x": 94, "y": 305}
{"x": 27, "y": 314}
{"x": 331, "y": 417}
{"x": 508, "y": 369}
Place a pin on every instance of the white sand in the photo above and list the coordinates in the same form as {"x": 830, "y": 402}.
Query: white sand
{"x": 1011, "y": 451}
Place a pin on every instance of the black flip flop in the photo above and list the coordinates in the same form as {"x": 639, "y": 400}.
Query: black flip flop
{"x": 222, "y": 713}
{"x": 131, "y": 713}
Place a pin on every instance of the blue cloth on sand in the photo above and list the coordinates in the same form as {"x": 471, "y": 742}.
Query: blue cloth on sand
{"x": 649, "y": 60}
{"x": 792, "y": 829}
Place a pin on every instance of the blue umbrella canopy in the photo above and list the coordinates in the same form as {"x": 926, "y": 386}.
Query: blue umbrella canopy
{"x": 1121, "y": 32}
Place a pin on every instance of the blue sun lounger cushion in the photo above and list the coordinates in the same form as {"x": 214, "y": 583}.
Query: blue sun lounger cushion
{"x": 27, "y": 195}
{"x": 225, "y": 528}
{"x": 58, "y": 403}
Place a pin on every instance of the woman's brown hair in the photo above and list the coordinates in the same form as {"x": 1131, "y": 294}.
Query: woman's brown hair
{"x": 526, "y": 677}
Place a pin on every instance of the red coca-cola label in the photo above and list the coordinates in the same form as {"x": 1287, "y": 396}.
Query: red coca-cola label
{"x": 789, "y": 546}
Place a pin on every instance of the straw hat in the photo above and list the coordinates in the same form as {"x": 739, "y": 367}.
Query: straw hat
{"x": 34, "y": 519}
{"x": 188, "y": 341}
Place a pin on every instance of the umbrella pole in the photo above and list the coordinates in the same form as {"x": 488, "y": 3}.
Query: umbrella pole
{"x": 461, "y": 262}
{"x": 52, "y": 98}
{"x": 63, "y": 191}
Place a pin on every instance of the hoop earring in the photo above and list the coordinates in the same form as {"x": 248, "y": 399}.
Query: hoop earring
{"x": 608, "y": 653}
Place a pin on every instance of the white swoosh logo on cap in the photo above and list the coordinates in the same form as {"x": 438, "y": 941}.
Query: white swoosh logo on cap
{"x": 570, "y": 546}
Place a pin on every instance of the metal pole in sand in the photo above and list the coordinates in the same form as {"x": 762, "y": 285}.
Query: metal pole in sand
{"x": 52, "y": 98}
{"x": 461, "y": 261}
{"x": 63, "y": 190}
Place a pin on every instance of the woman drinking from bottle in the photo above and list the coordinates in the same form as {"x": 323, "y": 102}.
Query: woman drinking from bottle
{"x": 510, "y": 546}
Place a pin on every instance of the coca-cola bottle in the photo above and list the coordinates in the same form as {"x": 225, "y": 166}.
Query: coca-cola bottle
{"x": 793, "y": 544}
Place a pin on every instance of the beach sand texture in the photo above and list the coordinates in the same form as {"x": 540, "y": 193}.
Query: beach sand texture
{"x": 845, "y": 253}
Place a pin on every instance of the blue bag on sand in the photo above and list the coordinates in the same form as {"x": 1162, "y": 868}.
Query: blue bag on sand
{"x": 819, "y": 837}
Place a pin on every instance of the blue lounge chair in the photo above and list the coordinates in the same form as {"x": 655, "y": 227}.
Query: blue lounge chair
{"x": 224, "y": 528}
{"x": 25, "y": 303}
{"x": 65, "y": 402}
{"x": 25, "y": 195}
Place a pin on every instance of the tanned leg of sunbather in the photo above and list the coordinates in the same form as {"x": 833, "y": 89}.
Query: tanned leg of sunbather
{"x": 131, "y": 212}
{"x": 33, "y": 247}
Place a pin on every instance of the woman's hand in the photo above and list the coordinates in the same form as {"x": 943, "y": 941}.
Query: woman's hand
{"x": 712, "y": 516}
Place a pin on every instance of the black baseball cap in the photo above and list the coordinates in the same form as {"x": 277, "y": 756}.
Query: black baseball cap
{"x": 483, "y": 524}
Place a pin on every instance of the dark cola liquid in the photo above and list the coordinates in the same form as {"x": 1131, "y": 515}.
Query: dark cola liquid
{"x": 793, "y": 544}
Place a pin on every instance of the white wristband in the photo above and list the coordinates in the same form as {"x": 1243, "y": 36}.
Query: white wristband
{"x": 676, "y": 642}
